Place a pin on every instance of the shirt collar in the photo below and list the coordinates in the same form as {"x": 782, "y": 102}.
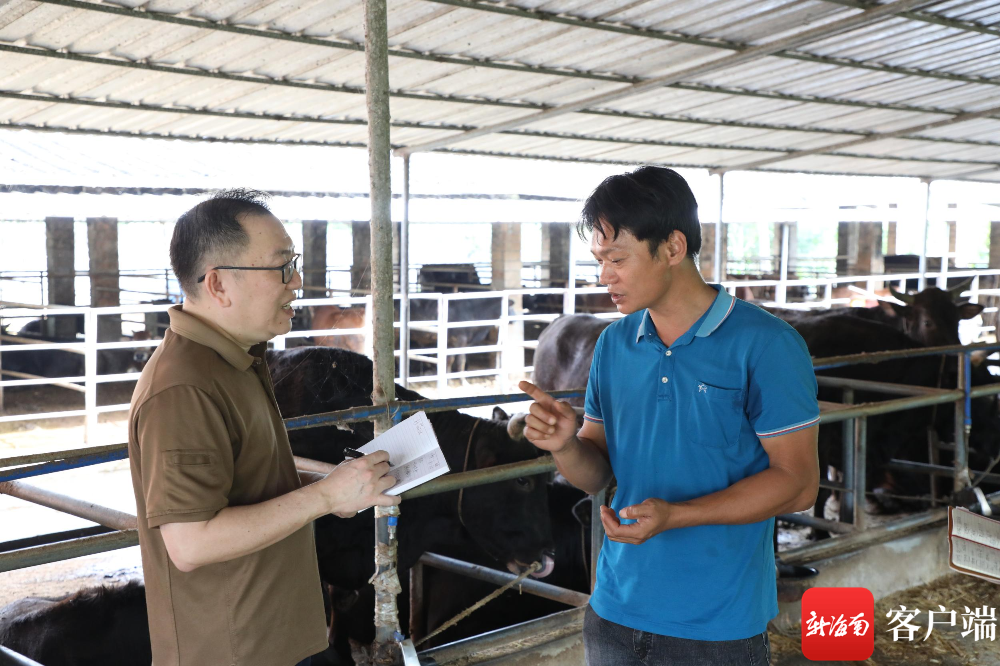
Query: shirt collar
{"x": 197, "y": 330}
{"x": 717, "y": 313}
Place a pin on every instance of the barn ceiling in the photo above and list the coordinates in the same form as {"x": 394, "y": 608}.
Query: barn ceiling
{"x": 905, "y": 88}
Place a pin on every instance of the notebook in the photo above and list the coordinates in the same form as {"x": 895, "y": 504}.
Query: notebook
{"x": 414, "y": 453}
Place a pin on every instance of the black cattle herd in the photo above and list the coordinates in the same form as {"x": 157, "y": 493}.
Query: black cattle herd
{"x": 512, "y": 523}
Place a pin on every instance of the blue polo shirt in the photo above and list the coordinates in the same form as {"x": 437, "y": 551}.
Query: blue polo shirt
{"x": 683, "y": 422}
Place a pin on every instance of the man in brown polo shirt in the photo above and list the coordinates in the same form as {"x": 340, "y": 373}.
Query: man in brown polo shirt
{"x": 224, "y": 517}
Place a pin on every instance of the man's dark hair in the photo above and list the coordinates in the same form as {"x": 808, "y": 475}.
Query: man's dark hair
{"x": 650, "y": 203}
{"x": 211, "y": 229}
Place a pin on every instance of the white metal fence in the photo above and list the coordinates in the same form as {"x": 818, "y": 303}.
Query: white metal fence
{"x": 509, "y": 347}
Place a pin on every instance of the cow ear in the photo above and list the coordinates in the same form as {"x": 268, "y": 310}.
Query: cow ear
{"x": 499, "y": 414}
{"x": 969, "y": 310}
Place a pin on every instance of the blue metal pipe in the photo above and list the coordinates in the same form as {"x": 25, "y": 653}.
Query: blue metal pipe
{"x": 968, "y": 392}
{"x": 63, "y": 464}
{"x": 399, "y": 409}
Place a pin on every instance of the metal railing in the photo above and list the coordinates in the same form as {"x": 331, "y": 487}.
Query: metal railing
{"x": 508, "y": 348}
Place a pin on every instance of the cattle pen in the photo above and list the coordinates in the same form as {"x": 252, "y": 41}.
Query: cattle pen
{"x": 817, "y": 86}
{"x": 558, "y": 633}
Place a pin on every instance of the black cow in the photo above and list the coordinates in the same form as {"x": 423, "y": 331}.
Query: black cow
{"x": 904, "y": 434}
{"x": 508, "y": 521}
{"x": 446, "y": 594}
{"x": 106, "y": 625}
{"x": 59, "y": 362}
{"x": 929, "y": 318}
{"x": 100, "y": 626}
{"x": 449, "y": 278}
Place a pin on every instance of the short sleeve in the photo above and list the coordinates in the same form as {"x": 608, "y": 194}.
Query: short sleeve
{"x": 592, "y": 406}
{"x": 186, "y": 456}
{"x": 782, "y": 388}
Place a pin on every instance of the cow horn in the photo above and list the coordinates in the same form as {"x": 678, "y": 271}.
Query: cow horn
{"x": 956, "y": 291}
{"x": 901, "y": 296}
{"x": 515, "y": 426}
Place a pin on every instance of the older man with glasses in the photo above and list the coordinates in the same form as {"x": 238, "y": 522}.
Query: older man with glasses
{"x": 224, "y": 518}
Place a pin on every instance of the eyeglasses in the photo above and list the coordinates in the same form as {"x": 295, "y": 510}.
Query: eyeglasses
{"x": 287, "y": 269}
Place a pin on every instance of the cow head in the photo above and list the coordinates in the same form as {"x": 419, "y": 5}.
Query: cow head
{"x": 931, "y": 317}
{"x": 509, "y": 519}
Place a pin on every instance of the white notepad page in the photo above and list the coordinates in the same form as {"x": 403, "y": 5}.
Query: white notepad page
{"x": 414, "y": 453}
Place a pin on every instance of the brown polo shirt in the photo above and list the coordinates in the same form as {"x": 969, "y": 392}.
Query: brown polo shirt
{"x": 205, "y": 433}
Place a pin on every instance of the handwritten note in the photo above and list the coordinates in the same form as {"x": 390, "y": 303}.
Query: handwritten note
{"x": 414, "y": 453}
{"x": 974, "y": 544}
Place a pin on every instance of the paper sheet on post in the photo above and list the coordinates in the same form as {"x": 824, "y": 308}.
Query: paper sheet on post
{"x": 414, "y": 453}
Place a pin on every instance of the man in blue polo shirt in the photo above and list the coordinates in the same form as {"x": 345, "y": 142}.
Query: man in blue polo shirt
{"x": 704, "y": 409}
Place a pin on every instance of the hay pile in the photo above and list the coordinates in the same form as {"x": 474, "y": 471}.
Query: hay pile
{"x": 945, "y": 647}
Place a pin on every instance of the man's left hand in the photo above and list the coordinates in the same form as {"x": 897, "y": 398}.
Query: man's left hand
{"x": 651, "y": 516}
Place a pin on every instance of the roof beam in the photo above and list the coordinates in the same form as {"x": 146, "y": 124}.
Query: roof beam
{"x": 749, "y": 55}
{"x": 312, "y": 84}
{"x": 670, "y": 36}
{"x": 298, "y": 38}
{"x": 434, "y": 97}
{"x": 23, "y": 188}
{"x": 482, "y": 5}
{"x": 928, "y": 17}
{"x": 456, "y": 151}
{"x": 151, "y": 108}
{"x": 923, "y": 127}
{"x": 467, "y": 61}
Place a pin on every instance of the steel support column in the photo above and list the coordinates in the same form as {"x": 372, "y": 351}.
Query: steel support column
{"x": 860, "y": 472}
{"x": 922, "y": 268}
{"x": 963, "y": 423}
{"x": 847, "y": 461}
{"x": 404, "y": 280}
{"x": 717, "y": 272}
{"x": 569, "y": 297}
{"x": 596, "y": 533}
{"x": 781, "y": 291}
{"x": 386, "y": 581}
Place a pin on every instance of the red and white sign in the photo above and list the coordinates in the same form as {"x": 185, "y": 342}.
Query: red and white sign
{"x": 838, "y": 624}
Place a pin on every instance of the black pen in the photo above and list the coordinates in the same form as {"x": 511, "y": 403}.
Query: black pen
{"x": 351, "y": 453}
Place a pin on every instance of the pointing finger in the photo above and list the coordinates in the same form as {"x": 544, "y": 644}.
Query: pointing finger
{"x": 537, "y": 393}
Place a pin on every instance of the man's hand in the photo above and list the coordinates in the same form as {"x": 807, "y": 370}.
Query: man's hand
{"x": 651, "y": 516}
{"x": 358, "y": 484}
{"x": 550, "y": 424}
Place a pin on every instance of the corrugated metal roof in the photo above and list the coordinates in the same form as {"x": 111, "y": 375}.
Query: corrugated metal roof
{"x": 288, "y": 71}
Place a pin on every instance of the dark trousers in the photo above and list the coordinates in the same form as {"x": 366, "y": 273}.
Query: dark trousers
{"x": 608, "y": 644}
{"x": 305, "y": 662}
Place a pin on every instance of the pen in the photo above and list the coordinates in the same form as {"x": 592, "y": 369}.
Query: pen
{"x": 351, "y": 453}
